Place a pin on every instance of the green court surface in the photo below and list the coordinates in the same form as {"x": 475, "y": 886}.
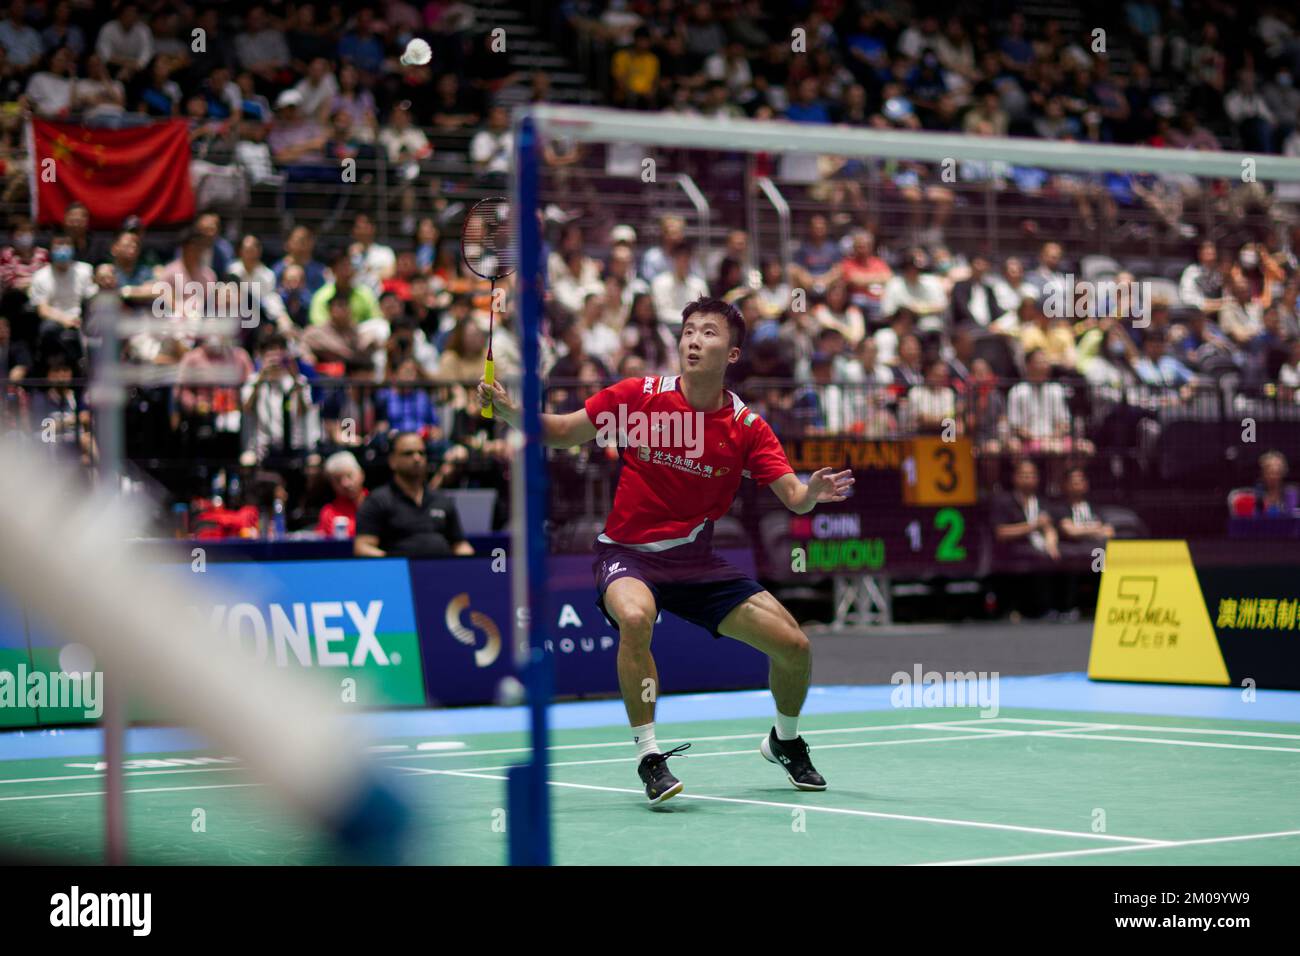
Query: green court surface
{"x": 906, "y": 787}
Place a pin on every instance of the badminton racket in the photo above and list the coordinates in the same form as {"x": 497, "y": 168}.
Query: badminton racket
{"x": 487, "y": 243}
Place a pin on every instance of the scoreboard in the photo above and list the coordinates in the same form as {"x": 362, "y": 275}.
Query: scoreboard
{"x": 914, "y": 509}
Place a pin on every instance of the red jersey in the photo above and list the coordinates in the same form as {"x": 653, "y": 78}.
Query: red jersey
{"x": 675, "y": 478}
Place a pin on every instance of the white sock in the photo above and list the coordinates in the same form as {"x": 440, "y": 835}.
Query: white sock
{"x": 787, "y": 728}
{"x": 644, "y": 738}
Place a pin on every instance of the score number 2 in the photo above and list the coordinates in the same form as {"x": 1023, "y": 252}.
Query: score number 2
{"x": 953, "y": 523}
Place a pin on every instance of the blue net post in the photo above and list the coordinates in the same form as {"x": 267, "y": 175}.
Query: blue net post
{"x": 529, "y": 815}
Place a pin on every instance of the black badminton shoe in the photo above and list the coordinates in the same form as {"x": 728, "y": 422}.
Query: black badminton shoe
{"x": 660, "y": 784}
{"x": 793, "y": 756}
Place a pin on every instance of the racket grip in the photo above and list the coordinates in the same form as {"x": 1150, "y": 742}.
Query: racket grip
{"x": 489, "y": 376}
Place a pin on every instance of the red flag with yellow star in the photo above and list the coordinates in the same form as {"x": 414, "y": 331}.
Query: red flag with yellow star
{"x": 141, "y": 171}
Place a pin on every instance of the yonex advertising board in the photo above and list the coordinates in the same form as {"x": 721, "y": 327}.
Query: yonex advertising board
{"x": 332, "y": 619}
{"x": 1176, "y": 612}
{"x": 464, "y": 612}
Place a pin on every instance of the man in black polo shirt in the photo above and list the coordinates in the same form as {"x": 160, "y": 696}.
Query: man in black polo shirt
{"x": 408, "y": 518}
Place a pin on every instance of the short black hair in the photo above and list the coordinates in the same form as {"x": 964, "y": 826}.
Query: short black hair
{"x": 706, "y": 305}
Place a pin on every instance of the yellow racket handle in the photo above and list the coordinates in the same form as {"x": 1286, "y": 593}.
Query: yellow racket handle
{"x": 489, "y": 376}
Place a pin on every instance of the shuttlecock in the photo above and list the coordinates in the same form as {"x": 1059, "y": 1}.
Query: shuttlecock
{"x": 418, "y": 53}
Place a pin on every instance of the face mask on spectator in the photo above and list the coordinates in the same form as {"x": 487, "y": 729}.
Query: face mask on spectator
{"x": 61, "y": 254}
{"x": 24, "y": 240}
{"x": 1249, "y": 259}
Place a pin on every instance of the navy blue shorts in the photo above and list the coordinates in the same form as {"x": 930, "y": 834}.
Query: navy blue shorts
{"x": 691, "y": 580}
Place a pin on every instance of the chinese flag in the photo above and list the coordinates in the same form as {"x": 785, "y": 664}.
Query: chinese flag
{"x": 142, "y": 171}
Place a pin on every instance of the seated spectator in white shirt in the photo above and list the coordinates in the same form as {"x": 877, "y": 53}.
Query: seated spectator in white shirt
{"x": 912, "y": 288}
{"x": 125, "y": 44}
{"x": 374, "y": 261}
{"x": 932, "y": 407}
{"x": 318, "y": 89}
{"x": 677, "y": 288}
{"x": 58, "y": 291}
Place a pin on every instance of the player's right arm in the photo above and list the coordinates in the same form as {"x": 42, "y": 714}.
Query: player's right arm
{"x": 560, "y": 431}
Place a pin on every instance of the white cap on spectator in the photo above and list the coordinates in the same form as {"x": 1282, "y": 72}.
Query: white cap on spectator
{"x": 288, "y": 98}
{"x": 623, "y": 233}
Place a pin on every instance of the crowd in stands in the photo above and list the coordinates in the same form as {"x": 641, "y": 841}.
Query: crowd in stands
{"x": 357, "y": 335}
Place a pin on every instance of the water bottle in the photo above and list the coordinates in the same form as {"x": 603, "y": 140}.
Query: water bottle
{"x": 277, "y": 520}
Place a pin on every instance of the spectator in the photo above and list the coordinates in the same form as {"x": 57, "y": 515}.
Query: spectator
{"x": 338, "y": 340}
{"x": 405, "y": 403}
{"x": 125, "y": 44}
{"x": 658, "y": 258}
{"x": 647, "y": 337}
{"x": 261, "y": 48}
{"x": 360, "y": 47}
{"x": 249, "y": 268}
{"x": 1250, "y": 115}
{"x": 317, "y": 89}
{"x": 572, "y": 275}
{"x": 932, "y": 406}
{"x": 373, "y": 261}
{"x": 1078, "y": 523}
{"x": 349, "y": 484}
{"x": 209, "y": 379}
{"x": 491, "y": 148}
{"x": 1201, "y": 284}
{"x": 677, "y": 288}
{"x": 279, "y": 419}
{"x": 22, "y": 260}
{"x": 361, "y": 300}
{"x": 915, "y": 290}
{"x": 866, "y": 274}
{"x": 49, "y": 91}
{"x": 1039, "y": 414}
{"x": 299, "y": 249}
{"x": 1272, "y": 495}
{"x": 1053, "y": 337}
{"x": 409, "y": 517}
{"x": 58, "y": 291}
{"x": 1024, "y": 533}
{"x": 635, "y": 72}
{"x": 817, "y": 263}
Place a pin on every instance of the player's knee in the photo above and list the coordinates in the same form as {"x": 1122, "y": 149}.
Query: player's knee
{"x": 796, "y": 646}
{"x": 635, "y": 624}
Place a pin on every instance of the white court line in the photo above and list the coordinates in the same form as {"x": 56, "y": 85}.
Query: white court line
{"x": 1114, "y": 849}
{"x": 1082, "y": 725}
{"x": 129, "y": 773}
{"x": 754, "y": 735}
{"x": 753, "y": 750}
{"x": 977, "y": 824}
{"x": 100, "y": 793}
{"x": 1059, "y": 735}
{"x": 990, "y": 732}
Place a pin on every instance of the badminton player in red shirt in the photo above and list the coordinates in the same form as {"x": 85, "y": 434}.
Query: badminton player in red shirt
{"x": 655, "y": 553}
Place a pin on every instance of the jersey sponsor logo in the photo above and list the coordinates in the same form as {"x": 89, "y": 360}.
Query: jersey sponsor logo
{"x": 649, "y": 387}
{"x": 437, "y": 513}
{"x": 613, "y": 569}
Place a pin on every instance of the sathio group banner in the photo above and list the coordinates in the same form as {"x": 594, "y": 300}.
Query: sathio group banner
{"x": 1199, "y": 613}
{"x": 464, "y": 621}
{"x": 398, "y": 633}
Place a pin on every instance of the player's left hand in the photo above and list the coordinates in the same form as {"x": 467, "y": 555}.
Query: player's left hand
{"x": 824, "y": 485}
